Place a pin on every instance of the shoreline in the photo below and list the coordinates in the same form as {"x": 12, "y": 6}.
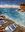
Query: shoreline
{"x": 21, "y": 25}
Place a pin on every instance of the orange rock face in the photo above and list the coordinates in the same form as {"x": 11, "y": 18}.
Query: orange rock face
{"x": 22, "y": 6}
{"x": 2, "y": 30}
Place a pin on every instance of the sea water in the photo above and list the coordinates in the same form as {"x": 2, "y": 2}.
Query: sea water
{"x": 11, "y": 2}
{"x": 18, "y": 17}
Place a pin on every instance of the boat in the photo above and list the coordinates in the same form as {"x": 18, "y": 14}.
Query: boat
{"x": 9, "y": 25}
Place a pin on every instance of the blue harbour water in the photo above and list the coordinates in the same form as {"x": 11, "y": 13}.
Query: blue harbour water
{"x": 13, "y": 13}
{"x": 11, "y": 2}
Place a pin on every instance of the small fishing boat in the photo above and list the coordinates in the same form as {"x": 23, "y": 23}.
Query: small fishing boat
{"x": 7, "y": 25}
